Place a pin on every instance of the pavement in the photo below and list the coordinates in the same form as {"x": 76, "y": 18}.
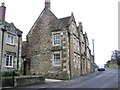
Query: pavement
{"x": 49, "y": 83}
{"x": 81, "y": 77}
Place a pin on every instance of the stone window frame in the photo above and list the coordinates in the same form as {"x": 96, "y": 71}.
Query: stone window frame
{"x": 78, "y": 61}
{"x": 75, "y": 60}
{"x": 59, "y": 60}
{"x": 73, "y": 25}
{"x": 74, "y": 42}
{"x": 9, "y": 59}
{"x": 78, "y": 45}
{"x": 10, "y": 39}
{"x": 53, "y": 38}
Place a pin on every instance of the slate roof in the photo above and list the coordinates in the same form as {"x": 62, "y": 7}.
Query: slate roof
{"x": 65, "y": 20}
{"x": 9, "y": 24}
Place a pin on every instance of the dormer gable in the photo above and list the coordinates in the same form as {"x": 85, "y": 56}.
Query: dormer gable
{"x": 72, "y": 18}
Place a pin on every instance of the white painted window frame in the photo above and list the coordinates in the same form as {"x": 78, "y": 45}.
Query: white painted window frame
{"x": 56, "y": 52}
{"x": 10, "y": 39}
{"x": 8, "y": 57}
{"x": 53, "y": 38}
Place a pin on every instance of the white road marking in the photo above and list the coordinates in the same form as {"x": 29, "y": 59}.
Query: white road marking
{"x": 98, "y": 76}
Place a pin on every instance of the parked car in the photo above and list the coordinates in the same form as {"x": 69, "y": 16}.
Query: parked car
{"x": 101, "y": 68}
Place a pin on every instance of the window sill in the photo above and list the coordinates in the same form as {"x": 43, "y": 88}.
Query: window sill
{"x": 57, "y": 65}
{"x": 11, "y": 44}
{"x": 9, "y": 66}
{"x": 54, "y": 48}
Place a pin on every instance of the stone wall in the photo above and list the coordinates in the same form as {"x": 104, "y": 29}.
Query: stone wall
{"x": 23, "y": 81}
{"x": 0, "y": 42}
{"x": 13, "y": 49}
{"x": 40, "y": 48}
{"x": 29, "y": 80}
{"x": 112, "y": 64}
{"x": 7, "y": 82}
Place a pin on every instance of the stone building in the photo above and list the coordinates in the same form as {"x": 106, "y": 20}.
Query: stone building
{"x": 55, "y": 47}
{"x": 10, "y": 44}
{"x": 87, "y": 54}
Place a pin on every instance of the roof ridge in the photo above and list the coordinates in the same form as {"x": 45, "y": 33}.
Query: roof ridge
{"x": 65, "y": 17}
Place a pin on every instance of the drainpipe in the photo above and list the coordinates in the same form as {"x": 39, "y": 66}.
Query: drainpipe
{"x": 18, "y": 52}
{"x": 80, "y": 55}
{"x": 69, "y": 34}
{"x": 81, "y": 67}
{"x": 3, "y": 30}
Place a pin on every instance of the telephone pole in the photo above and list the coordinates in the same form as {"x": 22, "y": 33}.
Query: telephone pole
{"x": 93, "y": 47}
{"x": 93, "y": 55}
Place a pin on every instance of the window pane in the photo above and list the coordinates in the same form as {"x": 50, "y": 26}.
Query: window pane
{"x": 11, "y": 58}
{"x": 10, "y": 39}
{"x": 56, "y": 38}
{"x": 57, "y": 59}
{"x": 7, "y": 60}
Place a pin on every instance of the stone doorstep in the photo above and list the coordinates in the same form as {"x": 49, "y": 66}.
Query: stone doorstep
{"x": 52, "y": 80}
{"x": 3, "y": 88}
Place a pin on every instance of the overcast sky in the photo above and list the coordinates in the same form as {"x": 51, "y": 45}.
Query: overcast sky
{"x": 99, "y": 18}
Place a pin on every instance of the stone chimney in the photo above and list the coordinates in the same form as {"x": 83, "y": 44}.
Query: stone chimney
{"x": 80, "y": 25}
{"x": 47, "y": 4}
{"x": 2, "y": 11}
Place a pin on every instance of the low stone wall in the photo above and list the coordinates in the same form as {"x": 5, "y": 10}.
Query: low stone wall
{"x": 23, "y": 81}
{"x": 58, "y": 75}
{"x": 113, "y": 66}
{"x": 7, "y": 82}
{"x": 29, "y": 81}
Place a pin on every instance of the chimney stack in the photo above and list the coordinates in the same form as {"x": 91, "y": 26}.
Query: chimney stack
{"x": 2, "y": 11}
{"x": 80, "y": 25}
{"x": 47, "y": 4}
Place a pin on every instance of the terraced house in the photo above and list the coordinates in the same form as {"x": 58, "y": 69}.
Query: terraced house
{"x": 10, "y": 44}
{"x": 55, "y": 47}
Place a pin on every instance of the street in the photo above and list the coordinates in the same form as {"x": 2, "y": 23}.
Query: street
{"x": 102, "y": 79}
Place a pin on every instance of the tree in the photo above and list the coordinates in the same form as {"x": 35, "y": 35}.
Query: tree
{"x": 116, "y": 56}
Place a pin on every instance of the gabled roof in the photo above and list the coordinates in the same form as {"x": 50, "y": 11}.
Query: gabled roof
{"x": 11, "y": 24}
{"x": 65, "y": 20}
{"x": 85, "y": 35}
{"x": 18, "y": 31}
{"x": 47, "y": 16}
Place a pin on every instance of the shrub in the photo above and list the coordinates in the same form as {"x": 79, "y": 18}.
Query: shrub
{"x": 9, "y": 73}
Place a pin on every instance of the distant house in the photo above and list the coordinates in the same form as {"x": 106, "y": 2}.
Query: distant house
{"x": 10, "y": 44}
{"x": 55, "y": 47}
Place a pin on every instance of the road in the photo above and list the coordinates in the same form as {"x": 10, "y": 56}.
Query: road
{"x": 103, "y": 79}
